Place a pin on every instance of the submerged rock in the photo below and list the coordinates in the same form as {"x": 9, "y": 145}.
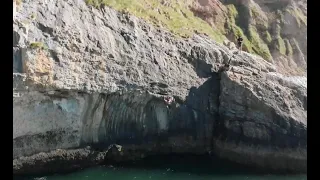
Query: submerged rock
{"x": 97, "y": 78}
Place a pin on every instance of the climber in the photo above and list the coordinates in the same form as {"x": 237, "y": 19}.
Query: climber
{"x": 240, "y": 40}
{"x": 168, "y": 100}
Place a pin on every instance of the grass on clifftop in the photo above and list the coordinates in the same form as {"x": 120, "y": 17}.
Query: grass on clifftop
{"x": 258, "y": 45}
{"x": 252, "y": 42}
{"x": 176, "y": 16}
{"x": 232, "y": 28}
{"x": 173, "y": 15}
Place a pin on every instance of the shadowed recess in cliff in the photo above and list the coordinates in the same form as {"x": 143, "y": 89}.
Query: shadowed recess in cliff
{"x": 140, "y": 118}
{"x": 196, "y": 115}
{"x": 113, "y": 117}
{"x": 127, "y": 118}
{"x": 17, "y": 59}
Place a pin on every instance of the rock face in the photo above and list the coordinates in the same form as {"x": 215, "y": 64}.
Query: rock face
{"x": 258, "y": 117}
{"x": 87, "y": 77}
{"x": 274, "y": 29}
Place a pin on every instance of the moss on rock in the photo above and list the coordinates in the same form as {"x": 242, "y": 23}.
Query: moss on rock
{"x": 258, "y": 45}
{"x": 252, "y": 41}
{"x": 259, "y": 20}
{"x": 280, "y": 45}
{"x": 266, "y": 37}
{"x": 232, "y": 13}
{"x": 289, "y": 50}
{"x": 174, "y": 15}
{"x": 37, "y": 45}
{"x": 239, "y": 19}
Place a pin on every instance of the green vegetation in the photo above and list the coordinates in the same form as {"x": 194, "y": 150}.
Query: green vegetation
{"x": 258, "y": 45}
{"x": 175, "y": 15}
{"x": 33, "y": 16}
{"x": 255, "y": 13}
{"x": 232, "y": 28}
{"x": 280, "y": 45}
{"x": 259, "y": 20}
{"x": 252, "y": 42}
{"x": 232, "y": 13}
{"x": 266, "y": 37}
{"x": 289, "y": 50}
{"x": 37, "y": 45}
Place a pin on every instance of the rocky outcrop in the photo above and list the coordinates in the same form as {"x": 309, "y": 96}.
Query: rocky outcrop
{"x": 258, "y": 117}
{"x": 88, "y": 77}
{"x": 271, "y": 29}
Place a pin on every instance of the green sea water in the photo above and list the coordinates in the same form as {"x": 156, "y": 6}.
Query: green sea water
{"x": 102, "y": 173}
{"x": 173, "y": 168}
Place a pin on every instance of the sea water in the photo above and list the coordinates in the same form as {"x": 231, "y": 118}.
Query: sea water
{"x": 171, "y": 168}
